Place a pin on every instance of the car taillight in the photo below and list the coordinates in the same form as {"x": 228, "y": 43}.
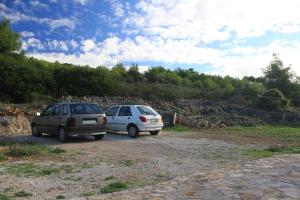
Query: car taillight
{"x": 143, "y": 119}
{"x": 104, "y": 120}
{"x": 71, "y": 122}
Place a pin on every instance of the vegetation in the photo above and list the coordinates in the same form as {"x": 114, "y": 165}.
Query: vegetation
{"x": 114, "y": 187}
{"x": 22, "y": 194}
{"x": 261, "y": 153}
{"x": 177, "y": 129}
{"x": 26, "y": 79}
{"x": 29, "y": 169}
{"x": 21, "y": 150}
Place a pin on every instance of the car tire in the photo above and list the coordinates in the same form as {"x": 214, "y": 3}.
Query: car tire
{"x": 62, "y": 136}
{"x": 133, "y": 131}
{"x": 154, "y": 132}
{"x": 34, "y": 131}
{"x": 99, "y": 137}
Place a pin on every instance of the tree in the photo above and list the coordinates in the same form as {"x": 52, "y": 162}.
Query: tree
{"x": 9, "y": 40}
{"x": 278, "y": 76}
{"x": 272, "y": 99}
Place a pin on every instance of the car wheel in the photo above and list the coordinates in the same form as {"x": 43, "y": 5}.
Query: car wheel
{"x": 133, "y": 131}
{"x": 154, "y": 132}
{"x": 99, "y": 137}
{"x": 62, "y": 135}
{"x": 34, "y": 131}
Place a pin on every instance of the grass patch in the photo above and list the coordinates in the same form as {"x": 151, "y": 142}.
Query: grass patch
{"x": 109, "y": 178}
{"x": 4, "y": 197}
{"x": 29, "y": 169}
{"x": 60, "y": 197}
{"x": 127, "y": 163}
{"x": 22, "y": 194}
{"x": 21, "y": 150}
{"x": 265, "y": 130}
{"x": 114, "y": 187}
{"x": 177, "y": 129}
{"x": 271, "y": 151}
{"x": 2, "y": 157}
{"x": 88, "y": 194}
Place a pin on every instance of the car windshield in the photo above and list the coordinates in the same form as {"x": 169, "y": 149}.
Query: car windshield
{"x": 85, "y": 109}
{"x": 145, "y": 110}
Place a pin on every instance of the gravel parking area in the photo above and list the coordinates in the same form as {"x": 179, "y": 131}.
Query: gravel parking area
{"x": 143, "y": 165}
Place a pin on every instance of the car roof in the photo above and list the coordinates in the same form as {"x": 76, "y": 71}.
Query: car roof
{"x": 129, "y": 105}
{"x": 75, "y": 102}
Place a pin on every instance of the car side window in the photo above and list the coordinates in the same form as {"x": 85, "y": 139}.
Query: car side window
{"x": 125, "y": 111}
{"x": 48, "y": 111}
{"x": 65, "y": 109}
{"x": 56, "y": 110}
{"x": 112, "y": 111}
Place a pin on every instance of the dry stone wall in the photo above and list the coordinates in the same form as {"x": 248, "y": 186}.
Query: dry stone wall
{"x": 197, "y": 113}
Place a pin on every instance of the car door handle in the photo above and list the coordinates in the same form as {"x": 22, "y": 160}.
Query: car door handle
{"x": 112, "y": 117}
{"x": 128, "y": 118}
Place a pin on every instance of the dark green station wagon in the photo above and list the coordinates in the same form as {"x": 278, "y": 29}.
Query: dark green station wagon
{"x": 70, "y": 119}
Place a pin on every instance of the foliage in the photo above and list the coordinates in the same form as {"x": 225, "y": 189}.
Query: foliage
{"x": 25, "y": 80}
{"x": 271, "y": 151}
{"x": 114, "y": 187}
{"x": 272, "y": 99}
{"x": 9, "y": 40}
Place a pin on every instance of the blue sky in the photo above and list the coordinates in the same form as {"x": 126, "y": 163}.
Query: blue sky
{"x": 230, "y": 37}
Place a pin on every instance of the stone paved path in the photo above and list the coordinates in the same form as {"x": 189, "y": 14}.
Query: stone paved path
{"x": 276, "y": 177}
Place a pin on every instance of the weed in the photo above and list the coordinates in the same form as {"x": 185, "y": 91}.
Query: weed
{"x": 22, "y": 194}
{"x": 270, "y": 151}
{"x": 4, "y": 197}
{"x": 60, "y": 197}
{"x": 109, "y": 178}
{"x": 2, "y": 157}
{"x": 87, "y": 194}
{"x": 57, "y": 150}
{"x": 127, "y": 163}
{"x": 177, "y": 129}
{"x": 114, "y": 187}
{"x": 29, "y": 169}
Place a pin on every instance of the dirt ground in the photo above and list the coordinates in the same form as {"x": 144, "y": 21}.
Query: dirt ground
{"x": 89, "y": 165}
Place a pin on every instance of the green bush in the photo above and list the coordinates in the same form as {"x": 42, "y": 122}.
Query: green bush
{"x": 272, "y": 99}
{"x": 114, "y": 187}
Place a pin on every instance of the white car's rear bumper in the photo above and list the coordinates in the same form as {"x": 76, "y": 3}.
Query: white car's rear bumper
{"x": 152, "y": 127}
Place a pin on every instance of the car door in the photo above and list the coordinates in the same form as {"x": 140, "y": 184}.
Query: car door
{"x": 43, "y": 120}
{"x": 55, "y": 119}
{"x": 123, "y": 118}
{"x": 110, "y": 116}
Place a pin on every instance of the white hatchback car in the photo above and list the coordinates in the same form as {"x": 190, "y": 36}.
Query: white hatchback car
{"x": 133, "y": 119}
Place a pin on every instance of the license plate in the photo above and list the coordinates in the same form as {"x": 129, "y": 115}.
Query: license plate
{"x": 86, "y": 122}
{"x": 153, "y": 120}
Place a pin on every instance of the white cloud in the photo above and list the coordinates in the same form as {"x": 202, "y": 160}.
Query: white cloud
{"x": 27, "y": 34}
{"x": 73, "y": 44}
{"x": 63, "y": 22}
{"x": 82, "y": 2}
{"x": 38, "y": 4}
{"x": 117, "y": 7}
{"x": 33, "y": 43}
{"x": 88, "y": 45}
{"x": 16, "y": 16}
{"x": 58, "y": 45}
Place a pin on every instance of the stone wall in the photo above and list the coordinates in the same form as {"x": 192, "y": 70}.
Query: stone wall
{"x": 197, "y": 113}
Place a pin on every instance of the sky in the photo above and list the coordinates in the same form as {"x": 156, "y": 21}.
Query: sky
{"x": 232, "y": 37}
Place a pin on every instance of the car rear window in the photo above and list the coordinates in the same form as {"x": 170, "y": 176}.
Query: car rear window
{"x": 145, "y": 111}
{"x": 85, "y": 109}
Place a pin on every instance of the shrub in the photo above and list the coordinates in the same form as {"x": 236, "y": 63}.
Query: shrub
{"x": 272, "y": 99}
{"x": 114, "y": 187}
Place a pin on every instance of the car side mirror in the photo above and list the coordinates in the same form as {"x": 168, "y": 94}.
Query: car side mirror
{"x": 38, "y": 114}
